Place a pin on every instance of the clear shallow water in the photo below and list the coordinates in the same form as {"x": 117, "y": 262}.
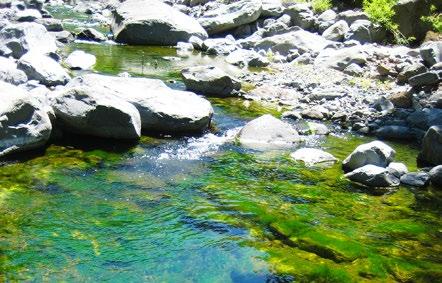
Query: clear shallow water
{"x": 203, "y": 209}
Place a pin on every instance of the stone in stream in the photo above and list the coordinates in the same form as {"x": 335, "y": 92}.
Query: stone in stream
{"x": 90, "y": 34}
{"x": 313, "y": 157}
{"x": 209, "y": 80}
{"x": 431, "y": 152}
{"x": 94, "y": 112}
{"x": 152, "y": 22}
{"x": 416, "y": 179}
{"x": 228, "y": 17}
{"x": 23, "y": 124}
{"x": 162, "y": 109}
{"x": 436, "y": 176}
{"x": 374, "y": 153}
{"x": 10, "y": 73}
{"x": 373, "y": 176}
{"x": 80, "y": 60}
{"x": 18, "y": 39}
{"x": 266, "y": 133}
{"x": 43, "y": 69}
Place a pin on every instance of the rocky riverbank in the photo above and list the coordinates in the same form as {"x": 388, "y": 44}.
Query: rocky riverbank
{"x": 333, "y": 67}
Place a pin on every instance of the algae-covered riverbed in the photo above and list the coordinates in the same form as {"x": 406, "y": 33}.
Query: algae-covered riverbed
{"x": 204, "y": 209}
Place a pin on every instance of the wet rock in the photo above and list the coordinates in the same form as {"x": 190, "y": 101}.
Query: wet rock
{"x": 80, "y": 60}
{"x": 301, "y": 40}
{"x": 242, "y": 57}
{"x": 374, "y": 153}
{"x": 18, "y": 39}
{"x": 10, "y": 73}
{"x": 397, "y": 169}
{"x": 91, "y": 35}
{"x": 23, "y": 125}
{"x": 431, "y": 53}
{"x": 313, "y": 157}
{"x": 416, "y": 179}
{"x": 153, "y": 23}
{"x": 91, "y": 111}
{"x": 395, "y": 132}
{"x": 431, "y": 152}
{"x": 209, "y": 80}
{"x": 337, "y": 31}
{"x": 162, "y": 110}
{"x": 373, "y": 176}
{"x": 428, "y": 78}
{"x": 436, "y": 176}
{"x": 228, "y": 17}
{"x": 267, "y": 132}
{"x": 43, "y": 69}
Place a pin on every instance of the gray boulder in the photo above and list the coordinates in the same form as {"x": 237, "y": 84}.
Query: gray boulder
{"x": 411, "y": 71}
{"x": 341, "y": 58}
{"x": 209, "y": 80}
{"x": 63, "y": 36}
{"x": 416, "y": 179}
{"x": 395, "y": 132}
{"x": 397, "y": 169}
{"x": 267, "y": 132}
{"x": 431, "y": 152}
{"x": 152, "y": 22}
{"x": 373, "y": 176}
{"x": 365, "y": 31}
{"x": 228, "y": 17}
{"x": 436, "y": 176}
{"x": 9, "y": 72}
{"x": 80, "y": 60}
{"x": 90, "y": 34}
{"x": 91, "y": 111}
{"x": 23, "y": 125}
{"x": 43, "y": 69}
{"x": 313, "y": 157}
{"x": 219, "y": 46}
{"x": 337, "y": 31}
{"x": 272, "y": 8}
{"x": 51, "y": 24}
{"x": 431, "y": 52}
{"x": 301, "y": 15}
{"x": 28, "y": 15}
{"x": 301, "y": 40}
{"x": 18, "y": 39}
{"x": 351, "y": 16}
{"x": 161, "y": 109}
{"x": 427, "y": 78}
{"x": 326, "y": 19}
{"x": 374, "y": 153}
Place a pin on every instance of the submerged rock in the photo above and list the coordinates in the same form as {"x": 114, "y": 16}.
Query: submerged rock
{"x": 18, "y": 39}
{"x": 374, "y": 153}
{"x": 80, "y": 60}
{"x": 209, "y": 80}
{"x": 152, "y": 22}
{"x": 228, "y": 17}
{"x": 313, "y": 156}
{"x": 161, "y": 109}
{"x": 94, "y": 112}
{"x": 43, "y": 69}
{"x": 373, "y": 176}
{"x": 23, "y": 124}
{"x": 267, "y": 132}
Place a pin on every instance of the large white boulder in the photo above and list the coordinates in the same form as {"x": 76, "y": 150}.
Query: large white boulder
{"x": 268, "y": 132}
{"x": 18, "y": 39}
{"x": 9, "y": 72}
{"x": 313, "y": 157}
{"x": 43, "y": 69}
{"x": 23, "y": 124}
{"x": 80, "y": 60}
{"x": 230, "y": 16}
{"x": 152, "y": 22}
{"x": 94, "y": 112}
{"x": 161, "y": 109}
{"x": 374, "y": 153}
